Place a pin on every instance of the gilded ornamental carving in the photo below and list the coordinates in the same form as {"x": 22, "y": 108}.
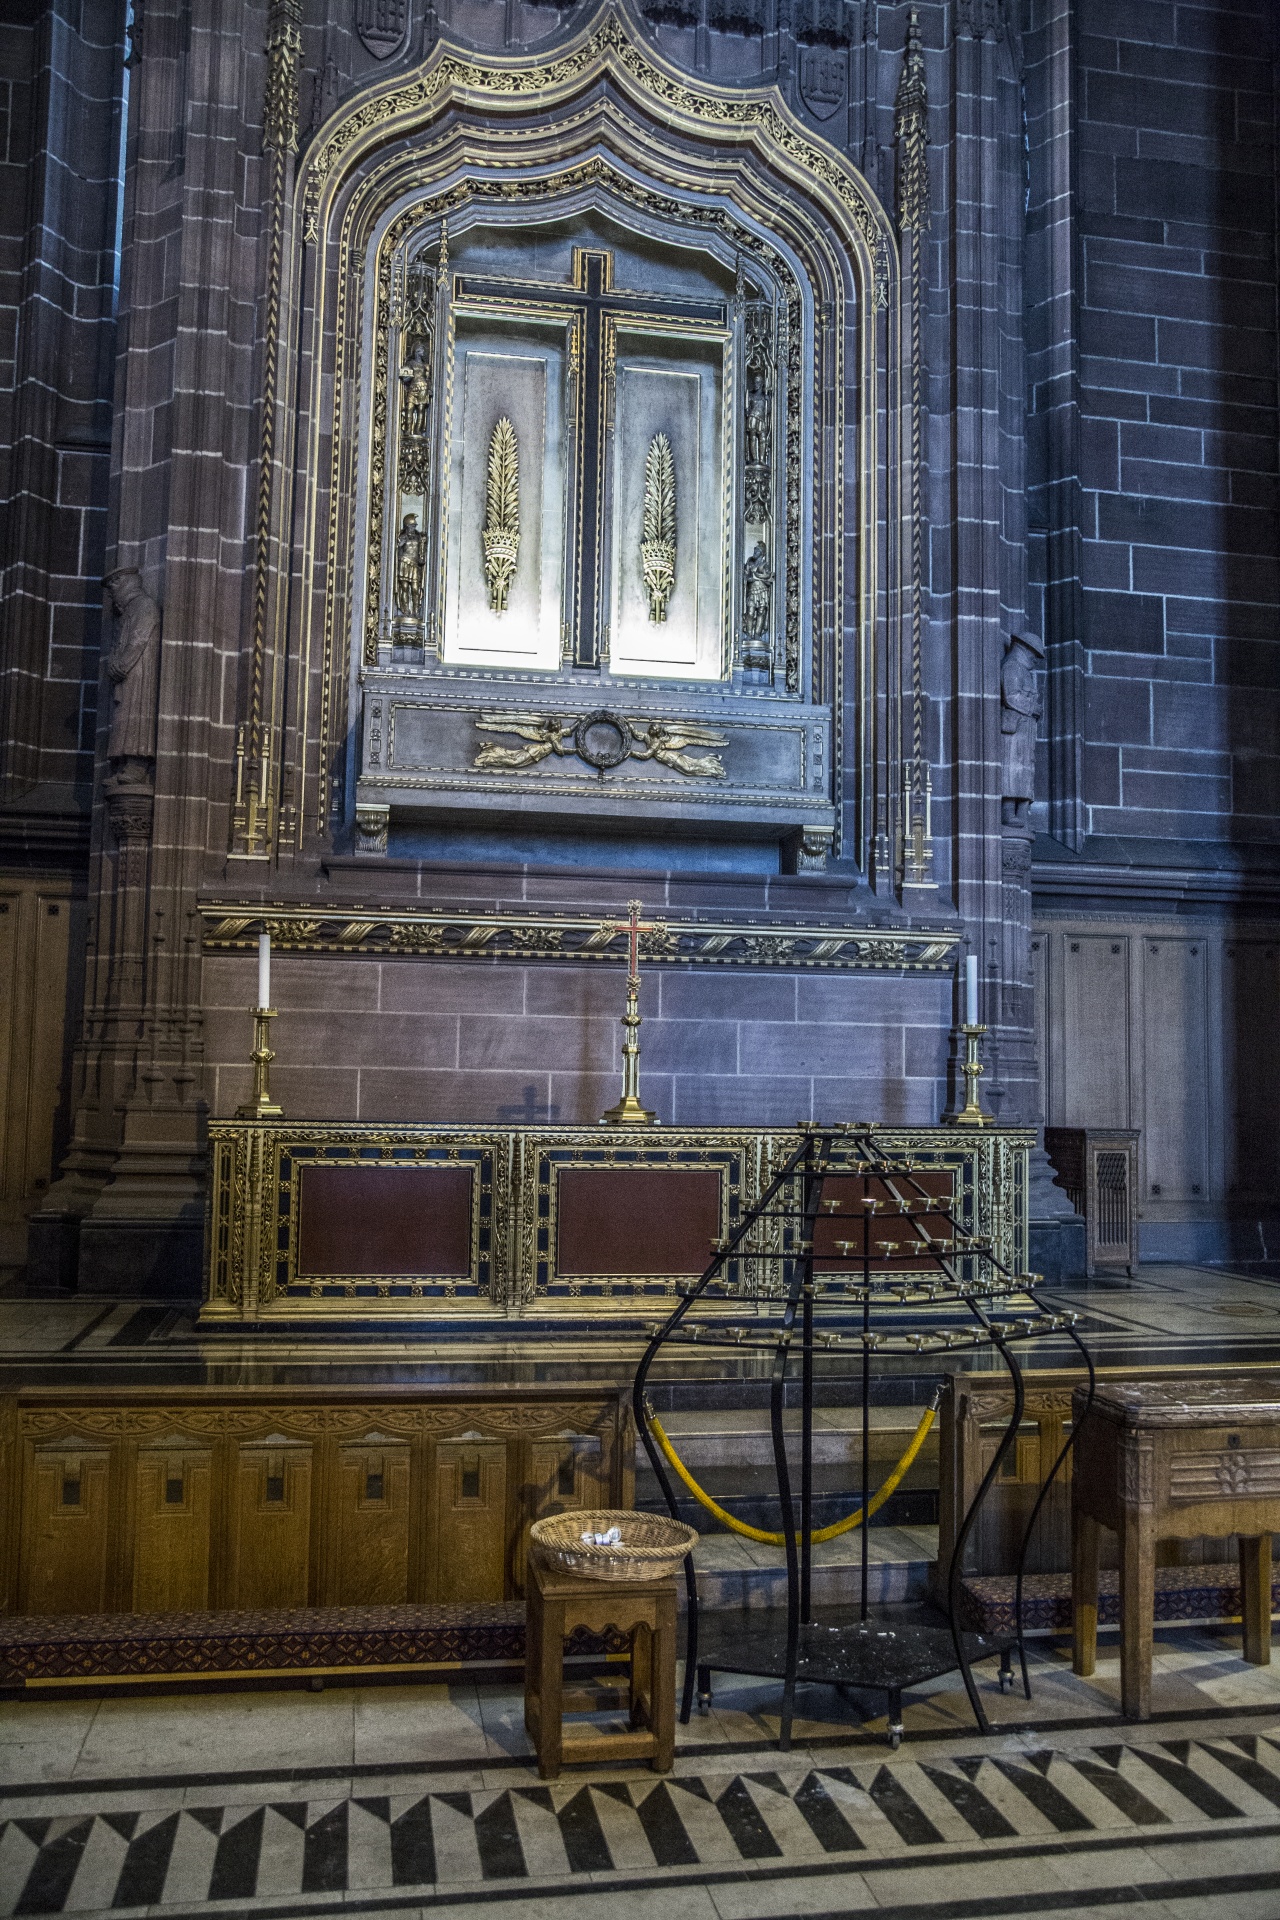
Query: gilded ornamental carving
{"x": 658, "y": 539}
{"x": 501, "y": 532}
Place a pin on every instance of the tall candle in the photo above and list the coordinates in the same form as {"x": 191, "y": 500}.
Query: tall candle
{"x": 971, "y": 990}
{"x": 264, "y": 969}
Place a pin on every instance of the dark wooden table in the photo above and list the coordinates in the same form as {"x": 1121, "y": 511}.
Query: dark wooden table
{"x": 645, "y": 1610}
{"x": 1161, "y": 1460}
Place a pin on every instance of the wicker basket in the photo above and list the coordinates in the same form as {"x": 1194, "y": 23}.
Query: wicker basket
{"x": 648, "y": 1547}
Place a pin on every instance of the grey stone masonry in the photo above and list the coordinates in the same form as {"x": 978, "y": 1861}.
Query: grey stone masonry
{"x": 1153, "y": 434}
{"x": 61, "y": 81}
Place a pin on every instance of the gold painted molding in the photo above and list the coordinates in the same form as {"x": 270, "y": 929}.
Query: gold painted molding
{"x": 611, "y": 46}
{"x": 233, "y": 927}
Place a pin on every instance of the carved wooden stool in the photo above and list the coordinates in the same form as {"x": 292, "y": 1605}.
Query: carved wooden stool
{"x": 1162, "y": 1460}
{"x": 556, "y": 1603}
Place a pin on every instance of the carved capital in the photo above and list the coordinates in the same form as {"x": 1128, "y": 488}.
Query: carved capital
{"x": 130, "y": 806}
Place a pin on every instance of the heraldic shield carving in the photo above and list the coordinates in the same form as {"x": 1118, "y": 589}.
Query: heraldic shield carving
{"x": 591, "y": 440}
{"x": 383, "y": 25}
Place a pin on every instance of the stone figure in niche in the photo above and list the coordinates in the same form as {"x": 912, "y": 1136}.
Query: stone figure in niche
{"x": 415, "y": 378}
{"x": 411, "y": 568}
{"x": 133, "y": 669}
{"x": 757, "y": 576}
{"x": 757, "y": 428}
{"x": 1020, "y": 707}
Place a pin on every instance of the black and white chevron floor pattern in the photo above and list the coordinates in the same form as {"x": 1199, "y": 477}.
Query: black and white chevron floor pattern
{"x": 788, "y": 1814}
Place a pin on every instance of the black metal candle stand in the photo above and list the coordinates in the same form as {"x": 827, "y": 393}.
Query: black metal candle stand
{"x": 809, "y": 1292}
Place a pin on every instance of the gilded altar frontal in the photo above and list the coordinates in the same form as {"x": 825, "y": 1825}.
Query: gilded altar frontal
{"x": 591, "y": 586}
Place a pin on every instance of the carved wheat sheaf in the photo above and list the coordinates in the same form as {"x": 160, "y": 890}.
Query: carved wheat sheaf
{"x": 658, "y": 532}
{"x": 501, "y": 531}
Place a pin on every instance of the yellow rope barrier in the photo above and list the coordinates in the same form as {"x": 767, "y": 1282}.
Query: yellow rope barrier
{"x": 837, "y": 1527}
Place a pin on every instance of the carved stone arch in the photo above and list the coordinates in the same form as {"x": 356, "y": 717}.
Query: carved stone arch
{"x": 602, "y": 121}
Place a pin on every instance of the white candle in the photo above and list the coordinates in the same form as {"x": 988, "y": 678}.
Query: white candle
{"x": 264, "y": 969}
{"x": 971, "y": 990}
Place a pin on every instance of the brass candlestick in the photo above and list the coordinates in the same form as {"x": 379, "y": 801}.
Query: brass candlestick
{"x": 629, "y": 1112}
{"x": 971, "y": 1113}
{"x": 261, "y": 1106}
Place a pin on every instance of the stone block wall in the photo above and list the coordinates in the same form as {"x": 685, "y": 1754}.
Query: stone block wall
{"x": 61, "y": 78}
{"x": 414, "y": 1039}
{"x": 1153, "y": 439}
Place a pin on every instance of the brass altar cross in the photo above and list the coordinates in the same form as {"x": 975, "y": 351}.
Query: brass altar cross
{"x": 629, "y": 1112}
{"x": 594, "y": 309}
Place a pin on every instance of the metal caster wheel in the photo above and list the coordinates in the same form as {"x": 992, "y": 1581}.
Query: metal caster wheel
{"x": 895, "y": 1737}
{"x": 1006, "y": 1679}
{"x": 704, "y": 1703}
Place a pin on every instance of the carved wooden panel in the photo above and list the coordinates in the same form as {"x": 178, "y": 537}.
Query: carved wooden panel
{"x": 65, "y": 1566}
{"x": 1250, "y": 1028}
{"x": 272, "y": 1527}
{"x": 369, "y": 1525}
{"x": 470, "y": 1520}
{"x": 1095, "y": 1067}
{"x": 263, "y": 1497}
{"x": 565, "y": 1473}
{"x": 1175, "y": 1142}
{"x": 171, "y": 1522}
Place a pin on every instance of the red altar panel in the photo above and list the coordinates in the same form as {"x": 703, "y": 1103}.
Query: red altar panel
{"x": 384, "y": 1222}
{"x": 636, "y": 1220}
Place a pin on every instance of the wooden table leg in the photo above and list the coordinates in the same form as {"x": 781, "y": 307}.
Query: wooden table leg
{"x": 1255, "y": 1593}
{"x": 662, "y": 1686}
{"x": 551, "y": 1690}
{"x": 1084, "y": 1592}
{"x": 1137, "y": 1613}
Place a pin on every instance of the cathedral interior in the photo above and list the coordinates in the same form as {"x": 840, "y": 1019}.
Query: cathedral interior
{"x": 627, "y": 625}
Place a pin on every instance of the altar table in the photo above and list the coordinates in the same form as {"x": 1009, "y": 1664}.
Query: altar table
{"x": 353, "y": 1220}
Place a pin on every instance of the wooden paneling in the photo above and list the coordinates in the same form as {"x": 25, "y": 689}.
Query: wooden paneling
{"x": 262, "y": 1497}
{"x": 371, "y": 1524}
{"x": 1095, "y": 1000}
{"x": 470, "y": 1520}
{"x": 41, "y": 962}
{"x": 171, "y": 1521}
{"x": 272, "y": 1539}
{"x": 1175, "y": 1077}
{"x": 1173, "y": 1030}
{"x": 64, "y": 1553}
{"x": 1250, "y": 1028}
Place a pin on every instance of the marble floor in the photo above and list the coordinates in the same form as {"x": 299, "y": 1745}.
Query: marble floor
{"x": 1165, "y": 1315}
{"x": 422, "y": 1799}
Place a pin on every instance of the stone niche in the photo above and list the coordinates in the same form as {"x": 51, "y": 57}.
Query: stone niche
{"x": 603, "y": 346}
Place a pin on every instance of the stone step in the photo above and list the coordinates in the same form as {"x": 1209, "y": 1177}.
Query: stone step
{"x": 733, "y": 1572}
{"x": 743, "y": 1439}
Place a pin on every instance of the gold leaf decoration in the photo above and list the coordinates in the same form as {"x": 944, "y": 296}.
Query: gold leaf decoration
{"x": 658, "y": 534}
{"x": 501, "y": 531}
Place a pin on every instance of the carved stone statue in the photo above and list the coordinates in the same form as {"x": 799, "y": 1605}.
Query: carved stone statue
{"x": 133, "y": 668}
{"x": 1020, "y": 707}
{"x": 411, "y": 568}
{"x": 757, "y": 427}
{"x": 757, "y": 578}
{"x": 415, "y": 377}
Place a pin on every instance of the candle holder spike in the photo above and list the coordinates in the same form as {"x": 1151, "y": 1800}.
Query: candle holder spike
{"x": 972, "y": 1113}
{"x": 261, "y": 1106}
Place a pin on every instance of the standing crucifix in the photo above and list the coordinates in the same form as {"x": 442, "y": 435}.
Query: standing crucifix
{"x": 629, "y": 1112}
{"x": 594, "y": 310}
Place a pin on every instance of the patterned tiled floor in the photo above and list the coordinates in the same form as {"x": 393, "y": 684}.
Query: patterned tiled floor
{"x": 788, "y": 1814}
{"x": 422, "y": 1799}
